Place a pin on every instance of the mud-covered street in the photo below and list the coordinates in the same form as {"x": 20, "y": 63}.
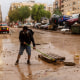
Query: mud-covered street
{"x": 66, "y": 45}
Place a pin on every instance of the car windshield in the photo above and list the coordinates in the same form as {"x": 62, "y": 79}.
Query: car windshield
{"x": 75, "y": 16}
{"x": 3, "y": 24}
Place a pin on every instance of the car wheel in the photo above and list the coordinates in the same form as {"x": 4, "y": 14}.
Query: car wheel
{"x": 7, "y": 31}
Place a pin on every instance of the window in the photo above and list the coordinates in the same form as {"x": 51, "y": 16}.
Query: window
{"x": 56, "y": 2}
{"x": 74, "y": 3}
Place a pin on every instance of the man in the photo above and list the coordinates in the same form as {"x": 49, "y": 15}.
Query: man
{"x": 25, "y": 38}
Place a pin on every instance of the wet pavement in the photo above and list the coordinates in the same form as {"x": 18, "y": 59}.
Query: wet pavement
{"x": 65, "y": 45}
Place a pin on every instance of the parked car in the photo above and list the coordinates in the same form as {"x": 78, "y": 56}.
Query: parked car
{"x": 37, "y": 25}
{"x": 45, "y": 26}
{"x": 20, "y": 25}
{"x": 4, "y": 28}
{"x": 28, "y": 24}
{"x": 44, "y": 20}
{"x": 62, "y": 20}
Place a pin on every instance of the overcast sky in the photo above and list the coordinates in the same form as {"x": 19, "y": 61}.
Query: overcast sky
{"x": 5, "y": 4}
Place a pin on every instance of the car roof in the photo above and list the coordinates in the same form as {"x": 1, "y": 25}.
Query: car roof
{"x": 72, "y": 19}
{"x": 3, "y": 23}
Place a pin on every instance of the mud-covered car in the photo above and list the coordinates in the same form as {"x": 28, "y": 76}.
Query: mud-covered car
{"x": 71, "y": 21}
{"x": 62, "y": 20}
{"x": 45, "y": 26}
{"x": 37, "y": 25}
{"x": 29, "y": 24}
{"x": 4, "y": 28}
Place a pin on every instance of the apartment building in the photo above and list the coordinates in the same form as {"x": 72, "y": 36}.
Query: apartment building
{"x": 69, "y": 7}
{"x": 50, "y": 8}
{"x": 29, "y": 3}
{"x": 0, "y": 15}
{"x": 57, "y": 4}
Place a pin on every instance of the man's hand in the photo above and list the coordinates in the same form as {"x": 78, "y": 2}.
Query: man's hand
{"x": 34, "y": 47}
{"x": 25, "y": 43}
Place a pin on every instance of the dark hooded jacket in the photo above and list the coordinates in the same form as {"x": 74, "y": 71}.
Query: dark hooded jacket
{"x": 26, "y": 37}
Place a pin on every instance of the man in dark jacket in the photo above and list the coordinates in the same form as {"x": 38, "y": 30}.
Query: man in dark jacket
{"x": 25, "y": 37}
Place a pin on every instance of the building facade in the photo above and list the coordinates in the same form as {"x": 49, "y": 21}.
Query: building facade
{"x": 0, "y": 15}
{"x": 69, "y": 7}
{"x": 50, "y": 8}
{"x": 57, "y": 4}
{"x": 29, "y": 3}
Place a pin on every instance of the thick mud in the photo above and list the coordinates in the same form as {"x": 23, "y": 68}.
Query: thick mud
{"x": 47, "y": 42}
